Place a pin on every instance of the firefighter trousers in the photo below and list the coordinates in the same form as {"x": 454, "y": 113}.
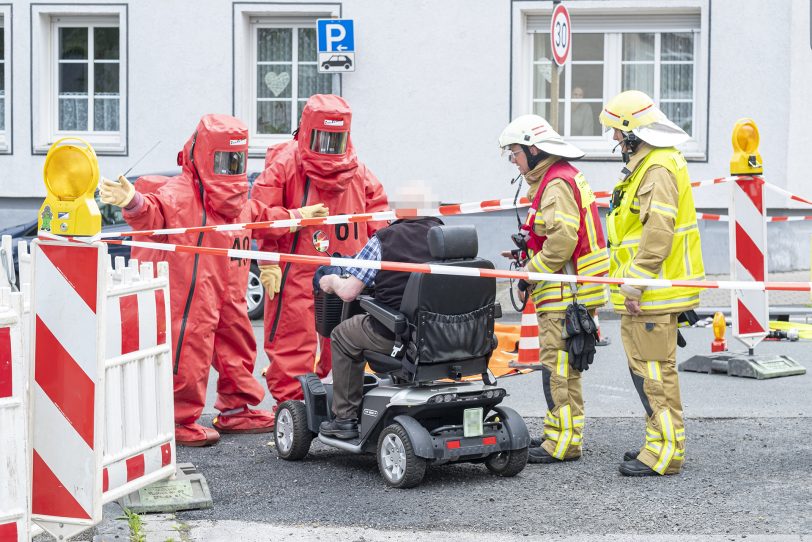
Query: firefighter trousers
{"x": 564, "y": 421}
{"x": 650, "y": 342}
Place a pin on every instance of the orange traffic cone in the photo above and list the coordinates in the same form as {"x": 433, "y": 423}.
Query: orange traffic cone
{"x": 602, "y": 340}
{"x": 528, "y": 340}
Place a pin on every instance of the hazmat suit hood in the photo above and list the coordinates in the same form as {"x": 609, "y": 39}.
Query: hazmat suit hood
{"x": 325, "y": 148}
{"x": 217, "y": 155}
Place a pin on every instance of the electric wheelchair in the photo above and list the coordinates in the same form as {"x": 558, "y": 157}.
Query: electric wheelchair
{"x": 416, "y": 408}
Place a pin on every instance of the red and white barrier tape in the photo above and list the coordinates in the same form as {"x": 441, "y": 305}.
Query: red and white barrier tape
{"x": 725, "y": 218}
{"x": 696, "y": 184}
{"x": 465, "y": 271}
{"x": 712, "y": 217}
{"x": 788, "y": 194}
{"x": 444, "y": 210}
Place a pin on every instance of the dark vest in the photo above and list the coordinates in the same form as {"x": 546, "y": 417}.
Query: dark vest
{"x": 402, "y": 241}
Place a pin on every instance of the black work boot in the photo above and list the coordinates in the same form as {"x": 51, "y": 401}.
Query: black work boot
{"x": 338, "y": 428}
{"x": 540, "y": 455}
{"x": 628, "y": 456}
{"x": 635, "y": 467}
{"x": 535, "y": 442}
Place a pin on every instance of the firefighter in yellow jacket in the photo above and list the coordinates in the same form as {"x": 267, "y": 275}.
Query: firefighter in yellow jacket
{"x": 562, "y": 234}
{"x": 652, "y": 234}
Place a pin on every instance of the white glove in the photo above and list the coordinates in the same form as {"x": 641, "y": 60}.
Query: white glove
{"x": 119, "y": 193}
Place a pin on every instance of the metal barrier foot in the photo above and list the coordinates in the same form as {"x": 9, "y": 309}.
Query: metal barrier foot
{"x": 187, "y": 491}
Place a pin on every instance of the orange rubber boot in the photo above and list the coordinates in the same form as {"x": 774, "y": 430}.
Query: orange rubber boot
{"x": 194, "y": 434}
{"x": 245, "y": 420}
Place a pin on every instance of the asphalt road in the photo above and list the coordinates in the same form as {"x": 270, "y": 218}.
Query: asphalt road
{"x": 742, "y": 476}
{"x": 609, "y": 392}
{"x": 748, "y": 474}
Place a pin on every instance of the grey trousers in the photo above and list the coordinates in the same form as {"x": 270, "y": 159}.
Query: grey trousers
{"x": 348, "y": 341}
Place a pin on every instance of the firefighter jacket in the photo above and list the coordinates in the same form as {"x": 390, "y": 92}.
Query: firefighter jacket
{"x": 653, "y": 232}
{"x": 564, "y": 235}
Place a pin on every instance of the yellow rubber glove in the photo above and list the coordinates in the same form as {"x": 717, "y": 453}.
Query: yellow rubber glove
{"x": 311, "y": 211}
{"x": 119, "y": 193}
{"x": 314, "y": 211}
{"x": 271, "y": 278}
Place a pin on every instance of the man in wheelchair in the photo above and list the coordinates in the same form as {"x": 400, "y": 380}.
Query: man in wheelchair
{"x": 421, "y": 334}
{"x": 404, "y": 240}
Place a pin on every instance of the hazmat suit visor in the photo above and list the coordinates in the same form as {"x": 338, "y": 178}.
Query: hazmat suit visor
{"x": 323, "y": 142}
{"x": 229, "y": 163}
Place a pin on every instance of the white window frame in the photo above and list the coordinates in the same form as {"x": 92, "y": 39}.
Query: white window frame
{"x": 600, "y": 147}
{"x": 5, "y": 133}
{"x": 247, "y": 18}
{"x": 45, "y": 23}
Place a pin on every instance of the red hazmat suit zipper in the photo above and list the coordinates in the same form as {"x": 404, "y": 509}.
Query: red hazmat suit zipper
{"x": 287, "y": 268}
{"x": 191, "y": 294}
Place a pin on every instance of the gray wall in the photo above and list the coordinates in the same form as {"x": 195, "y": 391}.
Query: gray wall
{"x": 432, "y": 92}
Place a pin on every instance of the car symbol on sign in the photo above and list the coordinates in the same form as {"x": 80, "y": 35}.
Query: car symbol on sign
{"x": 337, "y": 60}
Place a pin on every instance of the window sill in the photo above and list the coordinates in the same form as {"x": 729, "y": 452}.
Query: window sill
{"x": 610, "y": 157}
{"x": 258, "y": 147}
{"x": 101, "y": 148}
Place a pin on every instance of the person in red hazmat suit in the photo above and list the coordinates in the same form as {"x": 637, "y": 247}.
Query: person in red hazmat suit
{"x": 210, "y": 324}
{"x": 318, "y": 166}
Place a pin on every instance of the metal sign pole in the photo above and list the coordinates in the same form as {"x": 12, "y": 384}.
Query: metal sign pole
{"x": 554, "y": 97}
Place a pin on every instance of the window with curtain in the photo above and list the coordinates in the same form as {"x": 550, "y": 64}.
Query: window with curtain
{"x": 661, "y": 52}
{"x": 580, "y": 88}
{"x": 662, "y": 65}
{"x": 285, "y": 76}
{"x": 88, "y": 78}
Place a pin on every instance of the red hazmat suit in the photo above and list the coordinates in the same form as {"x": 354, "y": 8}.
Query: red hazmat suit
{"x": 318, "y": 166}
{"x": 210, "y": 324}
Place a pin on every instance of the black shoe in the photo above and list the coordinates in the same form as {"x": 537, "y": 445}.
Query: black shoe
{"x": 337, "y": 428}
{"x": 628, "y": 456}
{"x": 535, "y": 442}
{"x": 540, "y": 455}
{"x": 635, "y": 467}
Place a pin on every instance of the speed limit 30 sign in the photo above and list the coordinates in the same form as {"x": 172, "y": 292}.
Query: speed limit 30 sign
{"x": 560, "y": 34}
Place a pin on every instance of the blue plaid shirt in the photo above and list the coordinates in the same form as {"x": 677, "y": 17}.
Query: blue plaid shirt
{"x": 370, "y": 252}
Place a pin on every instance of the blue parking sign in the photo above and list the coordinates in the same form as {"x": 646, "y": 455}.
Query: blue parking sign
{"x": 335, "y": 36}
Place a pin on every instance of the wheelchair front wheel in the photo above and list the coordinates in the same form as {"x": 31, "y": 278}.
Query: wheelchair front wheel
{"x": 291, "y": 435}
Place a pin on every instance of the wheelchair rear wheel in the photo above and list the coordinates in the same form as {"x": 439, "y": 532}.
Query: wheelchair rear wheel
{"x": 291, "y": 435}
{"x": 508, "y": 463}
{"x": 399, "y": 465}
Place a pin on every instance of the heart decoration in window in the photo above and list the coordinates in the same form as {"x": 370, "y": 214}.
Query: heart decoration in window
{"x": 277, "y": 82}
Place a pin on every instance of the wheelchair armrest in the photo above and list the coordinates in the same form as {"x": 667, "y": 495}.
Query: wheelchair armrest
{"x": 497, "y": 310}
{"x": 393, "y": 320}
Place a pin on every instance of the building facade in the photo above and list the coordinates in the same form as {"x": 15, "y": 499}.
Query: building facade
{"x": 435, "y": 83}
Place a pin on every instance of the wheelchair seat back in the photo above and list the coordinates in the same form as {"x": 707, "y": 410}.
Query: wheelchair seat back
{"x": 451, "y": 318}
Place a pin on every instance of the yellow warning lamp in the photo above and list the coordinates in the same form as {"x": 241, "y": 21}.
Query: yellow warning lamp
{"x": 71, "y": 175}
{"x": 746, "y": 159}
{"x": 719, "y": 328}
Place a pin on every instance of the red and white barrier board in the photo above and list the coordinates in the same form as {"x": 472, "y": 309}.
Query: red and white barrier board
{"x": 66, "y": 395}
{"x": 101, "y": 394}
{"x": 140, "y": 432}
{"x": 748, "y": 259}
{"x": 14, "y": 504}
